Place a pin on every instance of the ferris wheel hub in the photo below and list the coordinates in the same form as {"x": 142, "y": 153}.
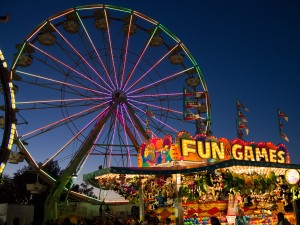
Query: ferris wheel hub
{"x": 118, "y": 94}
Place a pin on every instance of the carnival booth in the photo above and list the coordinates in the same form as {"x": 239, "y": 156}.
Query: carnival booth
{"x": 192, "y": 179}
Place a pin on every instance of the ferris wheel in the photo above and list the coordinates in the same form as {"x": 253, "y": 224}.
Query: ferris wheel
{"x": 97, "y": 81}
{"x": 7, "y": 127}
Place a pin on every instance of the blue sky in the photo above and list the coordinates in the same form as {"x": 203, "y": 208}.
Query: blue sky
{"x": 247, "y": 50}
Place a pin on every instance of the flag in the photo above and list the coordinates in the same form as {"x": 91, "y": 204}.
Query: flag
{"x": 240, "y": 105}
{"x": 281, "y": 114}
{"x": 280, "y": 125}
{"x": 242, "y": 117}
{"x": 242, "y": 125}
{"x": 283, "y": 135}
{"x": 4, "y": 19}
{"x": 240, "y": 133}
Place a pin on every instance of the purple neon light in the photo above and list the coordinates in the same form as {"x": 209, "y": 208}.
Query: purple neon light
{"x": 126, "y": 51}
{"x": 95, "y": 50}
{"x": 69, "y": 67}
{"x": 136, "y": 131}
{"x": 61, "y": 100}
{"x": 138, "y": 80}
{"x": 73, "y": 138}
{"x": 158, "y": 107}
{"x": 112, "y": 141}
{"x": 80, "y": 56}
{"x": 111, "y": 50}
{"x": 155, "y": 95}
{"x": 139, "y": 59}
{"x": 64, "y": 119}
{"x": 159, "y": 81}
{"x": 60, "y": 82}
{"x": 126, "y": 138}
{"x": 155, "y": 119}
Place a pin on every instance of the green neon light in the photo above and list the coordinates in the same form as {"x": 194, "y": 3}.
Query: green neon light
{"x": 169, "y": 33}
{"x": 118, "y": 8}
{"x": 18, "y": 55}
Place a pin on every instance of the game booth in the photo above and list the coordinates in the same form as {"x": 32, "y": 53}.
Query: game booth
{"x": 191, "y": 179}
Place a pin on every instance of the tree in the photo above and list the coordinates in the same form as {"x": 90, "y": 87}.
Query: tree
{"x": 13, "y": 189}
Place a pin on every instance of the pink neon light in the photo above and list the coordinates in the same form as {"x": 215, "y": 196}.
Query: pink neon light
{"x": 153, "y": 134}
{"x": 145, "y": 17}
{"x": 158, "y": 107}
{"x": 136, "y": 131}
{"x": 111, "y": 51}
{"x": 36, "y": 31}
{"x": 64, "y": 119}
{"x": 152, "y": 67}
{"x": 80, "y": 56}
{"x": 69, "y": 67}
{"x": 80, "y": 132}
{"x": 122, "y": 120}
{"x": 53, "y": 18}
{"x": 112, "y": 141}
{"x": 61, "y": 100}
{"x": 91, "y": 149}
{"x": 155, "y": 95}
{"x": 103, "y": 66}
{"x": 157, "y": 82}
{"x": 64, "y": 83}
{"x": 137, "y": 62}
{"x": 126, "y": 51}
{"x": 155, "y": 118}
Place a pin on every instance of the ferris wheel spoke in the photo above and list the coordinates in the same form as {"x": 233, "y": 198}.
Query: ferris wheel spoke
{"x": 157, "y": 83}
{"x": 129, "y": 134}
{"x": 63, "y": 121}
{"x": 148, "y": 71}
{"x": 156, "y": 106}
{"x": 61, "y": 82}
{"x": 69, "y": 67}
{"x": 159, "y": 96}
{"x": 127, "y": 129}
{"x": 136, "y": 131}
{"x": 57, "y": 103}
{"x": 96, "y": 51}
{"x": 81, "y": 57}
{"x": 112, "y": 141}
{"x": 111, "y": 49}
{"x": 81, "y": 67}
{"x": 126, "y": 51}
{"x": 139, "y": 59}
{"x": 56, "y": 67}
{"x": 154, "y": 118}
{"x": 71, "y": 140}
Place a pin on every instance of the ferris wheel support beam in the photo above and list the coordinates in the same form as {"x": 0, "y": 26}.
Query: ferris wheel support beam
{"x": 66, "y": 177}
{"x": 129, "y": 133}
{"x": 136, "y": 121}
{"x": 28, "y": 157}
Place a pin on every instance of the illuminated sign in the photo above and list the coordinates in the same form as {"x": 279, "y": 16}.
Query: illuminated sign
{"x": 201, "y": 148}
{"x": 195, "y": 150}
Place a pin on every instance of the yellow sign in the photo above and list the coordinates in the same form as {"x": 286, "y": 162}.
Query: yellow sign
{"x": 195, "y": 150}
